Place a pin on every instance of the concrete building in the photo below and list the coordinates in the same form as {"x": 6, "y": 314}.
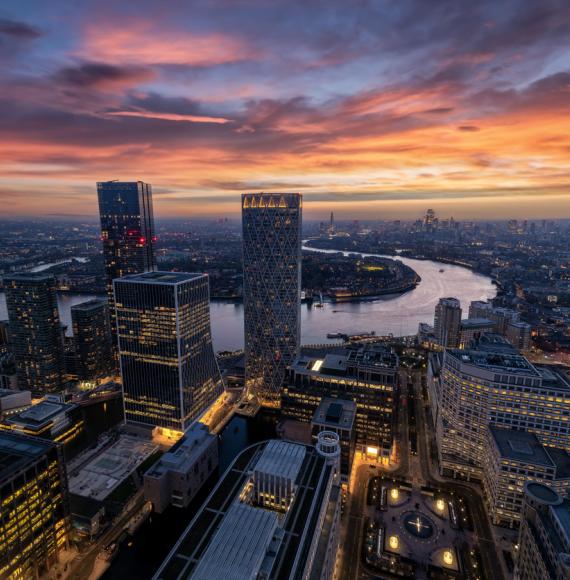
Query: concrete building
{"x": 518, "y": 334}
{"x": 338, "y": 416}
{"x": 366, "y": 375}
{"x": 127, "y": 232}
{"x": 33, "y": 490}
{"x": 12, "y": 402}
{"x": 480, "y": 309}
{"x": 271, "y": 290}
{"x": 513, "y": 458}
{"x": 492, "y": 384}
{"x": 231, "y": 536}
{"x": 169, "y": 370}
{"x": 180, "y": 473}
{"x": 36, "y": 337}
{"x": 447, "y": 322}
{"x": 544, "y": 538}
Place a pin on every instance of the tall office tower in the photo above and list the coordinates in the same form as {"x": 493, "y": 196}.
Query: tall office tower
{"x": 429, "y": 220}
{"x": 272, "y": 289}
{"x": 34, "y": 524}
{"x": 92, "y": 340}
{"x": 35, "y": 332}
{"x": 480, "y": 309}
{"x": 447, "y": 322}
{"x": 544, "y": 538}
{"x": 170, "y": 374}
{"x": 127, "y": 232}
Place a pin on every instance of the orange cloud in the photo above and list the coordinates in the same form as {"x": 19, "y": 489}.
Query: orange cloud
{"x": 171, "y": 117}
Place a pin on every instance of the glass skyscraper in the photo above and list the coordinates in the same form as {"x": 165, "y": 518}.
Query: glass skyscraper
{"x": 169, "y": 370}
{"x": 127, "y": 232}
{"x": 35, "y": 333}
{"x": 272, "y": 289}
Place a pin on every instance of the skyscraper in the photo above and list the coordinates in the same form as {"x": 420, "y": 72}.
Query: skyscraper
{"x": 272, "y": 289}
{"x": 127, "y": 232}
{"x": 35, "y": 333}
{"x": 92, "y": 340}
{"x": 169, "y": 370}
{"x": 447, "y": 323}
{"x": 34, "y": 524}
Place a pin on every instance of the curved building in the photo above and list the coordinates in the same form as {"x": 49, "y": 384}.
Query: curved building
{"x": 271, "y": 289}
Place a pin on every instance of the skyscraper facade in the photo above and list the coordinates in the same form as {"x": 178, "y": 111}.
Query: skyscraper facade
{"x": 272, "y": 289}
{"x": 92, "y": 340}
{"x": 169, "y": 370}
{"x": 35, "y": 332}
{"x": 34, "y": 521}
{"x": 127, "y": 232}
{"x": 447, "y": 323}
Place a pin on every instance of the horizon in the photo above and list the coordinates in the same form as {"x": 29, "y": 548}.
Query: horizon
{"x": 465, "y": 109}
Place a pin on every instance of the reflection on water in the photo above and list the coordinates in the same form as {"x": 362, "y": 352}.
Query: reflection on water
{"x": 399, "y": 315}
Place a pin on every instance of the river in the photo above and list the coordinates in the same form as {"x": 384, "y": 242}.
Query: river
{"x": 396, "y": 314}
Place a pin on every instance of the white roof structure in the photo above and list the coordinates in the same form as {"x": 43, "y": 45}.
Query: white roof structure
{"x": 281, "y": 459}
{"x": 238, "y": 556}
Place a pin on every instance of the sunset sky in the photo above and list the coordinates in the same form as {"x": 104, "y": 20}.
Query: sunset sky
{"x": 374, "y": 109}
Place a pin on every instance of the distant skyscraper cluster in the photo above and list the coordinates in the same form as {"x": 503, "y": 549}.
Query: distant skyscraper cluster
{"x": 272, "y": 289}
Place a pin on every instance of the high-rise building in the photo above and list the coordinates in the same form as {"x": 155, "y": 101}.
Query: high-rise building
{"x": 272, "y": 289}
{"x": 544, "y": 538}
{"x": 34, "y": 524}
{"x": 36, "y": 336}
{"x": 492, "y": 384}
{"x": 518, "y": 333}
{"x": 447, "y": 322}
{"x": 169, "y": 370}
{"x": 275, "y": 514}
{"x": 127, "y": 232}
{"x": 92, "y": 340}
{"x": 429, "y": 220}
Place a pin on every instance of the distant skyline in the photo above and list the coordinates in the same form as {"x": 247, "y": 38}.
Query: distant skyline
{"x": 375, "y": 110}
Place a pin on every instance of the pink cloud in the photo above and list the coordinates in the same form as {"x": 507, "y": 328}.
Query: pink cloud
{"x": 171, "y": 117}
{"x": 141, "y": 43}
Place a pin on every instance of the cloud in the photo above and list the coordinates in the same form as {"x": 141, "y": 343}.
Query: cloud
{"x": 18, "y": 30}
{"x": 102, "y": 76}
{"x": 170, "y": 117}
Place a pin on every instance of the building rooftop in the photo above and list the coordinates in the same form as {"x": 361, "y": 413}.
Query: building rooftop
{"x": 335, "y": 412}
{"x": 29, "y": 276}
{"x": 295, "y": 532}
{"x": 503, "y": 361}
{"x": 89, "y": 305}
{"x": 161, "y": 277}
{"x": 562, "y": 514}
{"x": 474, "y": 323}
{"x": 282, "y": 459}
{"x": 561, "y": 459}
{"x": 16, "y": 451}
{"x": 520, "y": 446}
{"x": 240, "y": 555}
{"x": 38, "y": 416}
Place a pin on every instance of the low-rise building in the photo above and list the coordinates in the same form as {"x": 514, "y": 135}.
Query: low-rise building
{"x": 180, "y": 473}
{"x": 514, "y": 457}
{"x": 12, "y": 401}
{"x": 544, "y": 537}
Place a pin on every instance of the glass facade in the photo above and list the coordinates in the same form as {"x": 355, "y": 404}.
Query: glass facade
{"x": 272, "y": 289}
{"x": 127, "y": 231}
{"x": 170, "y": 374}
{"x": 34, "y": 525}
{"x": 35, "y": 332}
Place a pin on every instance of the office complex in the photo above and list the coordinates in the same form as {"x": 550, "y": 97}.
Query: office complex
{"x": 544, "y": 538}
{"x": 92, "y": 340}
{"x": 492, "y": 384}
{"x": 127, "y": 232}
{"x": 274, "y": 514}
{"x": 36, "y": 336}
{"x": 169, "y": 370}
{"x": 513, "y": 458}
{"x": 272, "y": 289}
{"x": 180, "y": 473}
{"x": 518, "y": 334}
{"x": 34, "y": 514}
{"x": 366, "y": 375}
{"x": 447, "y": 322}
{"x": 472, "y": 329}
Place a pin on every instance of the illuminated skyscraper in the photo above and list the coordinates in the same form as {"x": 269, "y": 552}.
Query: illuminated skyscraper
{"x": 35, "y": 333}
{"x": 92, "y": 340}
{"x": 272, "y": 289}
{"x": 34, "y": 524}
{"x": 447, "y": 323}
{"x": 127, "y": 232}
{"x": 170, "y": 374}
